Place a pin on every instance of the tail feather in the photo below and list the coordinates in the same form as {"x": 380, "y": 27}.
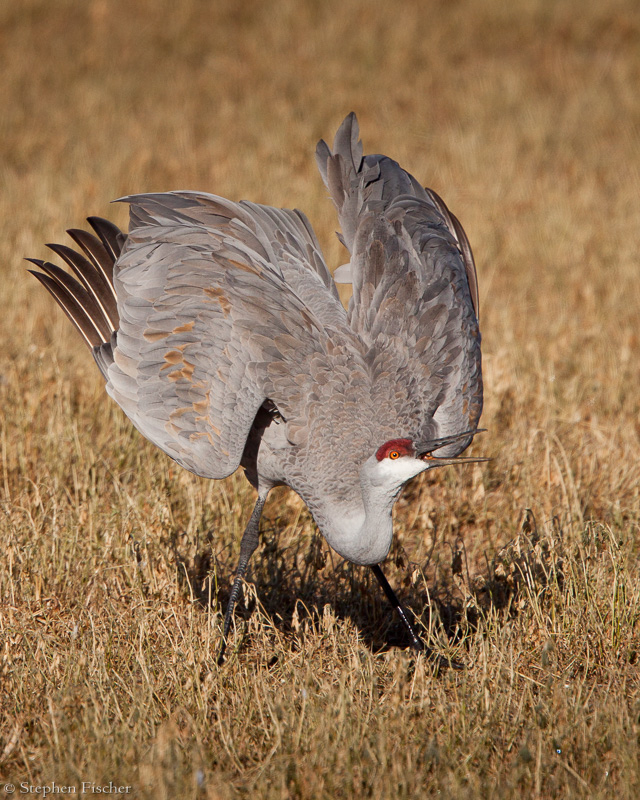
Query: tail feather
{"x": 89, "y": 298}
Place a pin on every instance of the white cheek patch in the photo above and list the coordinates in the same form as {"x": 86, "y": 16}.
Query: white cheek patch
{"x": 401, "y": 469}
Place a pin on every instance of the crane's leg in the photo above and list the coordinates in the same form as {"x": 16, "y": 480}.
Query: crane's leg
{"x": 247, "y": 547}
{"x": 416, "y": 642}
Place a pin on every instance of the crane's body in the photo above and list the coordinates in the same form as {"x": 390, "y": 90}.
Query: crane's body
{"x": 219, "y": 331}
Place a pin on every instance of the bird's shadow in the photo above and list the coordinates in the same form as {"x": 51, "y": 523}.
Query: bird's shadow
{"x": 295, "y": 585}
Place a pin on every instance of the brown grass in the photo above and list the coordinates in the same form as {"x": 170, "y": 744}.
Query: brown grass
{"x": 526, "y": 118}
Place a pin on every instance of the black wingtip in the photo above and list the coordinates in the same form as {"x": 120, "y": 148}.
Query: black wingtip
{"x": 110, "y": 235}
{"x": 86, "y": 293}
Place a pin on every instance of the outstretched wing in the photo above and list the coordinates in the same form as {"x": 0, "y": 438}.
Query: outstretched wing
{"x": 204, "y": 311}
{"x": 221, "y": 306}
{"x": 414, "y": 287}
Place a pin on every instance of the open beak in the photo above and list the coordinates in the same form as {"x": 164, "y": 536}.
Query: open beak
{"x": 424, "y": 450}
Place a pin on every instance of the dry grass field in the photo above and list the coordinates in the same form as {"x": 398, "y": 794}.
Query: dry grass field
{"x": 115, "y": 565}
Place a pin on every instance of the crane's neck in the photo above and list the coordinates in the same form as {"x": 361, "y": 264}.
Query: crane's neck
{"x": 361, "y": 529}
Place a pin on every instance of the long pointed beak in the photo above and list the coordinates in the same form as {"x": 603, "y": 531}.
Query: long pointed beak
{"x": 425, "y": 449}
{"x": 435, "y": 461}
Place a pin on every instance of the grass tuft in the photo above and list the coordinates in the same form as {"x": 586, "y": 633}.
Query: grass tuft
{"x": 117, "y": 564}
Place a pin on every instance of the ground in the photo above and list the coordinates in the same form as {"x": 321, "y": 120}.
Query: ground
{"x": 116, "y": 564}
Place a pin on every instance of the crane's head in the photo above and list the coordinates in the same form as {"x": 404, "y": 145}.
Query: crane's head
{"x": 399, "y": 460}
{"x": 363, "y": 534}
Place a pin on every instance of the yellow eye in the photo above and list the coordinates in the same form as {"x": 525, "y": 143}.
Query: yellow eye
{"x": 394, "y": 454}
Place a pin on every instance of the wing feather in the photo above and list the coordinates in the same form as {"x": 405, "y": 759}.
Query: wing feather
{"x": 214, "y": 307}
{"x": 212, "y": 296}
{"x": 415, "y": 296}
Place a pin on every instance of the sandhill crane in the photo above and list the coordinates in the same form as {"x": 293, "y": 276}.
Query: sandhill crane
{"x": 219, "y": 331}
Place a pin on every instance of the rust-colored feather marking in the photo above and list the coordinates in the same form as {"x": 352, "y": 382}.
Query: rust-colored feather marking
{"x": 194, "y": 436}
{"x": 179, "y": 412}
{"x": 217, "y": 294}
{"x": 155, "y": 336}
{"x": 188, "y": 326}
{"x": 245, "y": 267}
{"x": 174, "y": 357}
{"x": 202, "y": 406}
{"x": 186, "y": 372}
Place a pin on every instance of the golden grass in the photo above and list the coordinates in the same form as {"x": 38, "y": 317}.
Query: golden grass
{"x": 525, "y": 117}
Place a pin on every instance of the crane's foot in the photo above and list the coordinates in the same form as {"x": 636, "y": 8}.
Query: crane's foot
{"x": 441, "y": 662}
{"x": 223, "y": 650}
{"x": 236, "y": 590}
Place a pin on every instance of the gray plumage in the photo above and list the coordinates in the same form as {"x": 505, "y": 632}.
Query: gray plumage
{"x": 219, "y": 331}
